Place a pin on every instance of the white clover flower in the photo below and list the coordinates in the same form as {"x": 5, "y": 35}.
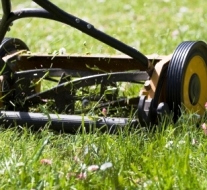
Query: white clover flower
{"x": 92, "y": 168}
{"x": 169, "y": 144}
{"x": 106, "y": 166}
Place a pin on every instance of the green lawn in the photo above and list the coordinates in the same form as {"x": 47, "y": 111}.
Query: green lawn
{"x": 173, "y": 157}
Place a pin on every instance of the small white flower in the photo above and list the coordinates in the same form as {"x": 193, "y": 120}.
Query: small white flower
{"x": 147, "y": 183}
{"x": 93, "y": 168}
{"x": 86, "y": 150}
{"x": 83, "y": 166}
{"x": 106, "y": 166}
{"x": 181, "y": 142}
{"x": 194, "y": 141}
{"x": 62, "y": 51}
{"x": 169, "y": 144}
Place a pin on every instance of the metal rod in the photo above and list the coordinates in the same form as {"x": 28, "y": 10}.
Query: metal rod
{"x": 6, "y": 6}
{"x": 4, "y": 26}
{"x": 134, "y": 77}
{"x": 65, "y": 123}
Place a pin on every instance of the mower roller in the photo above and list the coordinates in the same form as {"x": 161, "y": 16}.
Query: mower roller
{"x": 87, "y": 90}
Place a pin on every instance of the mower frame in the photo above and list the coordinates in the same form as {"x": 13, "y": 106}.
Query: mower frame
{"x": 133, "y": 67}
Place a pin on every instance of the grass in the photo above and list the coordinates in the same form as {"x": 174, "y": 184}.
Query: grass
{"x": 140, "y": 160}
{"x": 173, "y": 157}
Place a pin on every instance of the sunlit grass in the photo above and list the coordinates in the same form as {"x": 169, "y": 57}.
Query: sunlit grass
{"x": 162, "y": 160}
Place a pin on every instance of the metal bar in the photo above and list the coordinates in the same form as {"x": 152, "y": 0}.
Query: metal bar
{"x": 4, "y": 25}
{"x": 92, "y": 31}
{"x": 135, "y": 77}
{"x": 94, "y": 63}
{"x": 51, "y": 72}
{"x": 32, "y": 12}
{"x": 65, "y": 123}
{"x": 6, "y": 6}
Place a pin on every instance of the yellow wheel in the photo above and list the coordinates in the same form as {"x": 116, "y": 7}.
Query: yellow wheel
{"x": 187, "y": 78}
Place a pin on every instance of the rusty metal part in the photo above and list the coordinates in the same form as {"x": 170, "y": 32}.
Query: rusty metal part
{"x": 93, "y": 63}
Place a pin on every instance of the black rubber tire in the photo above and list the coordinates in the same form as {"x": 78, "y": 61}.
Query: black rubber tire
{"x": 10, "y": 45}
{"x": 178, "y": 68}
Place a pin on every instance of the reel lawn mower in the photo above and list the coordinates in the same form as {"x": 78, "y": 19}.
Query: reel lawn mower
{"x": 86, "y": 91}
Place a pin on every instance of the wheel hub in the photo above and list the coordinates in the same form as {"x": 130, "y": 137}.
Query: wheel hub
{"x": 194, "y": 89}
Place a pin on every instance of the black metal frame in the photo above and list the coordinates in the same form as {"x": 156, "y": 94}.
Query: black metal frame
{"x": 63, "y": 92}
{"x": 63, "y": 95}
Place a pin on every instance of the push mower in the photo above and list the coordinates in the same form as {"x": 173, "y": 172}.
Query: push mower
{"x": 87, "y": 89}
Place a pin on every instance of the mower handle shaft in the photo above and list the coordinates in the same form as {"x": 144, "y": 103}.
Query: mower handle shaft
{"x": 6, "y": 6}
{"x": 92, "y": 31}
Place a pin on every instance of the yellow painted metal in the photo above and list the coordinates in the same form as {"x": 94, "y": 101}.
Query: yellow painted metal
{"x": 197, "y": 66}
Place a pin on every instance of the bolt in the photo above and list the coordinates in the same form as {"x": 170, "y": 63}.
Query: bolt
{"x": 147, "y": 85}
{"x": 77, "y": 20}
{"x": 89, "y": 26}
